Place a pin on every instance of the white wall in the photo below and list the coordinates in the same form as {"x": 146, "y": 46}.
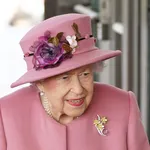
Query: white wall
{"x": 12, "y": 65}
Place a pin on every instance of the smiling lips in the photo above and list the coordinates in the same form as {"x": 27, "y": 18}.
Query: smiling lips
{"x": 76, "y": 102}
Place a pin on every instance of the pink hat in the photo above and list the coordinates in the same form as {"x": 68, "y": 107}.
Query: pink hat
{"x": 59, "y": 44}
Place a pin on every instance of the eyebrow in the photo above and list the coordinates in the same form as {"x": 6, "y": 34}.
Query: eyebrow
{"x": 82, "y": 70}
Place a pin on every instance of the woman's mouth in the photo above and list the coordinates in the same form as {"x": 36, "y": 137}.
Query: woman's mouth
{"x": 76, "y": 102}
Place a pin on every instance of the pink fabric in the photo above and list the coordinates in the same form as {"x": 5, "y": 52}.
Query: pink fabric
{"x": 67, "y": 65}
{"x": 86, "y": 52}
{"x": 24, "y": 125}
{"x": 55, "y": 25}
{"x": 84, "y": 46}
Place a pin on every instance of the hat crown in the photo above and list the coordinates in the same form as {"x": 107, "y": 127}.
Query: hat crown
{"x": 62, "y": 23}
{"x": 83, "y": 50}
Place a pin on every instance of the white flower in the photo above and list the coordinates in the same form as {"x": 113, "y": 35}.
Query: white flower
{"x": 72, "y": 41}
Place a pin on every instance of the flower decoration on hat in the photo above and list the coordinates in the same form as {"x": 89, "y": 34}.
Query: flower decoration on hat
{"x": 49, "y": 51}
{"x": 100, "y": 123}
{"x": 72, "y": 41}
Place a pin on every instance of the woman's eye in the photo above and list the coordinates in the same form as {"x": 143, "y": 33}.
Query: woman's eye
{"x": 65, "y": 77}
{"x": 86, "y": 74}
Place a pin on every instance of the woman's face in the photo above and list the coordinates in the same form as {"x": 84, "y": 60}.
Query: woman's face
{"x": 70, "y": 93}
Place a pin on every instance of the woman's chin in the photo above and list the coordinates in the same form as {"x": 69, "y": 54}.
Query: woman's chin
{"x": 75, "y": 113}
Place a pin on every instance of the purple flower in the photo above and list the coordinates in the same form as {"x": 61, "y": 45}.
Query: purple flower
{"x": 42, "y": 38}
{"x": 47, "y": 54}
{"x": 46, "y": 36}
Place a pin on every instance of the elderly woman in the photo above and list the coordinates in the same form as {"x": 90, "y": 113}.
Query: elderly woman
{"x": 63, "y": 109}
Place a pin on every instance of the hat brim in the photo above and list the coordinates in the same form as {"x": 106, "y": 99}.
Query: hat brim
{"x": 76, "y": 61}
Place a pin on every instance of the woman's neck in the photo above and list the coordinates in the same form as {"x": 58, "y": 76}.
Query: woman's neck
{"x": 59, "y": 117}
{"x": 64, "y": 119}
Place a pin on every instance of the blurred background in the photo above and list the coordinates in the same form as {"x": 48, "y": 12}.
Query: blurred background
{"x": 117, "y": 24}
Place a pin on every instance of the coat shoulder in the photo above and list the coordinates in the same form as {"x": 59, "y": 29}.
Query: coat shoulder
{"x": 109, "y": 89}
{"x": 110, "y": 98}
{"x": 17, "y": 97}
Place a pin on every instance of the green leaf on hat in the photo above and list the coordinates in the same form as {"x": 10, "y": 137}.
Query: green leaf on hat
{"x": 76, "y": 30}
{"x": 50, "y": 40}
{"x": 55, "y": 41}
{"x": 59, "y": 35}
{"x": 66, "y": 47}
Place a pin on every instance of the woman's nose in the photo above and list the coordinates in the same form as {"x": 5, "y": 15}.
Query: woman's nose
{"x": 77, "y": 87}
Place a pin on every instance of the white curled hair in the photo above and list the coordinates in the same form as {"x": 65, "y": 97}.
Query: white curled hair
{"x": 98, "y": 66}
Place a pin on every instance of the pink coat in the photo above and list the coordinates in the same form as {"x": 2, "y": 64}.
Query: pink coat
{"x": 24, "y": 125}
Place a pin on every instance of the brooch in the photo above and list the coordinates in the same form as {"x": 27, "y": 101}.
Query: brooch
{"x": 100, "y": 123}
